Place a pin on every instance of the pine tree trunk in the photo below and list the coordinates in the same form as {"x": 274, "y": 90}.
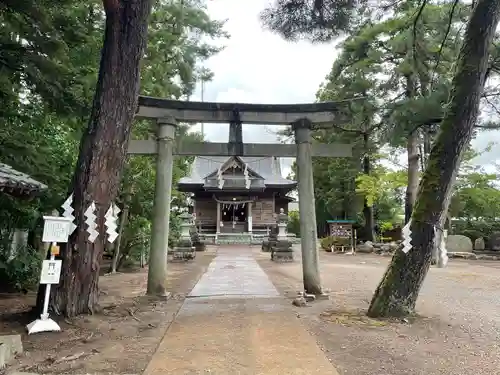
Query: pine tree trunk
{"x": 398, "y": 291}
{"x": 103, "y": 151}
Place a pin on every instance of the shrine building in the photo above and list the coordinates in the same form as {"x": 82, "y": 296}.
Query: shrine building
{"x": 236, "y": 199}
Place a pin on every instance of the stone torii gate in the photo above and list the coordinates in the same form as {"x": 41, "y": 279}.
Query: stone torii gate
{"x": 168, "y": 113}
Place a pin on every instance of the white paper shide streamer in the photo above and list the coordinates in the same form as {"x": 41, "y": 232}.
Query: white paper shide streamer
{"x": 443, "y": 252}
{"x": 68, "y": 212}
{"x": 220, "y": 180}
{"x": 91, "y": 223}
{"x": 111, "y": 222}
{"x": 248, "y": 182}
{"x": 406, "y": 233}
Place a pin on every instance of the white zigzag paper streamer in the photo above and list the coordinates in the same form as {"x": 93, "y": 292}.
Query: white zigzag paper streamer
{"x": 91, "y": 223}
{"x": 68, "y": 212}
{"x": 248, "y": 182}
{"x": 443, "y": 252}
{"x": 406, "y": 233}
{"x": 111, "y": 222}
{"x": 219, "y": 178}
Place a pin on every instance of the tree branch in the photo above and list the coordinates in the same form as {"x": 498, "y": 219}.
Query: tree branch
{"x": 446, "y": 34}
{"x": 415, "y": 22}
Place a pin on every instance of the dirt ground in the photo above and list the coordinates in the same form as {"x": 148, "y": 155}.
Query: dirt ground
{"x": 119, "y": 340}
{"x": 457, "y": 331}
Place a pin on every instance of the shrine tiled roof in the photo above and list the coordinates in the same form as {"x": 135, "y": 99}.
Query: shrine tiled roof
{"x": 267, "y": 167}
{"x": 18, "y": 183}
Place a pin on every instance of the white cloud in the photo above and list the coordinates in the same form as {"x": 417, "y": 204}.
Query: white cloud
{"x": 258, "y": 66}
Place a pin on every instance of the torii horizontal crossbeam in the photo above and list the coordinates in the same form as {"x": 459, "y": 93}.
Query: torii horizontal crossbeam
{"x": 149, "y": 147}
{"x": 211, "y": 112}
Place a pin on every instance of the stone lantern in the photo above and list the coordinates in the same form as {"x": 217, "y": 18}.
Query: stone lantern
{"x": 184, "y": 249}
{"x": 186, "y": 224}
{"x": 282, "y": 249}
{"x": 282, "y": 222}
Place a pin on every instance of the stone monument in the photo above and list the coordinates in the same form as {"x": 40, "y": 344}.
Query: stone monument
{"x": 457, "y": 243}
{"x": 494, "y": 241}
{"x": 479, "y": 244}
{"x": 282, "y": 249}
{"x": 184, "y": 250}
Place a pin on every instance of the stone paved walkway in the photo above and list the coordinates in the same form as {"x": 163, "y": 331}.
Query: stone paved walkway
{"x": 235, "y": 322}
{"x": 234, "y": 272}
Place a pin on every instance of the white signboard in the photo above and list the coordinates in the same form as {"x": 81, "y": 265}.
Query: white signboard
{"x": 56, "y": 229}
{"x": 51, "y": 271}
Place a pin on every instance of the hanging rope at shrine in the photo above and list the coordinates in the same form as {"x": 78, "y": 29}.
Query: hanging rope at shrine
{"x": 235, "y": 202}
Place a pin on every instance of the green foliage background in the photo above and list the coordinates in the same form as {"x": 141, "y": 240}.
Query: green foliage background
{"x": 49, "y": 60}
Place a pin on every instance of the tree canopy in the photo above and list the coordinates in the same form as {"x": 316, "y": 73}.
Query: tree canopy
{"x": 49, "y": 62}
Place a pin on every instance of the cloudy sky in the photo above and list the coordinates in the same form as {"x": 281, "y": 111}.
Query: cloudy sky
{"x": 259, "y": 67}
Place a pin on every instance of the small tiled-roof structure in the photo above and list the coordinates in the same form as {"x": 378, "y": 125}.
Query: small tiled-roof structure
{"x": 18, "y": 184}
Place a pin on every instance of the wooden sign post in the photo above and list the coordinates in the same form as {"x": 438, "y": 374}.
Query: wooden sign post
{"x": 56, "y": 229}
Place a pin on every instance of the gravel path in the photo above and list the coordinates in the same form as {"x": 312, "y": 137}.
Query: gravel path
{"x": 457, "y": 334}
{"x": 236, "y": 322}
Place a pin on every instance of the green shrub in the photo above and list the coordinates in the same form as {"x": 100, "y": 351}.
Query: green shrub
{"x": 326, "y": 243}
{"x": 21, "y": 272}
{"x": 293, "y": 225}
{"x": 473, "y": 234}
{"x": 385, "y": 225}
{"x": 475, "y": 229}
{"x": 174, "y": 234}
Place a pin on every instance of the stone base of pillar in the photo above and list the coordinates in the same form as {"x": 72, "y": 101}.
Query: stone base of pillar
{"x": 282, "y": 251}
{"x": 268, "y": 245}
{"x": 271, "y": 241}
{"x": 184, "y": 250}
{"x": 197, "y": 243}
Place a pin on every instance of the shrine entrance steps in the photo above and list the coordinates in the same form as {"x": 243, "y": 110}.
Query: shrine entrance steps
{"x": 234, "y": 239}
{"x": 234, "y": 321}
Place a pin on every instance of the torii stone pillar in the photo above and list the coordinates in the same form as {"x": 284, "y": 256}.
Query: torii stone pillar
{"x": 307, "y": 208}
{"x": 301, "y": 116}
{"x": 158, "y": 254}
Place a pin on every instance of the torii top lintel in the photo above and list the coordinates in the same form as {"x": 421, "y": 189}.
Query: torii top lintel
{"x": 211, "y": 112}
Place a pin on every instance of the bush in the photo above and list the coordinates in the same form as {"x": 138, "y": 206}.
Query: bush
{"x": 293, "y": 225}
{"x": 475, "y": 229}
{"x": 385, "y": 226}
{"x": 326, "y": 243}
{"x": 174, "y": 234}
{"x": 472, "y": 234}
{"x": 21, "y": 272}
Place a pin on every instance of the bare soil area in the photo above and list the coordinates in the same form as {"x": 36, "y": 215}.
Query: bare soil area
{"x": 120, "y": 339}
{"x": 457, "y": 331}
